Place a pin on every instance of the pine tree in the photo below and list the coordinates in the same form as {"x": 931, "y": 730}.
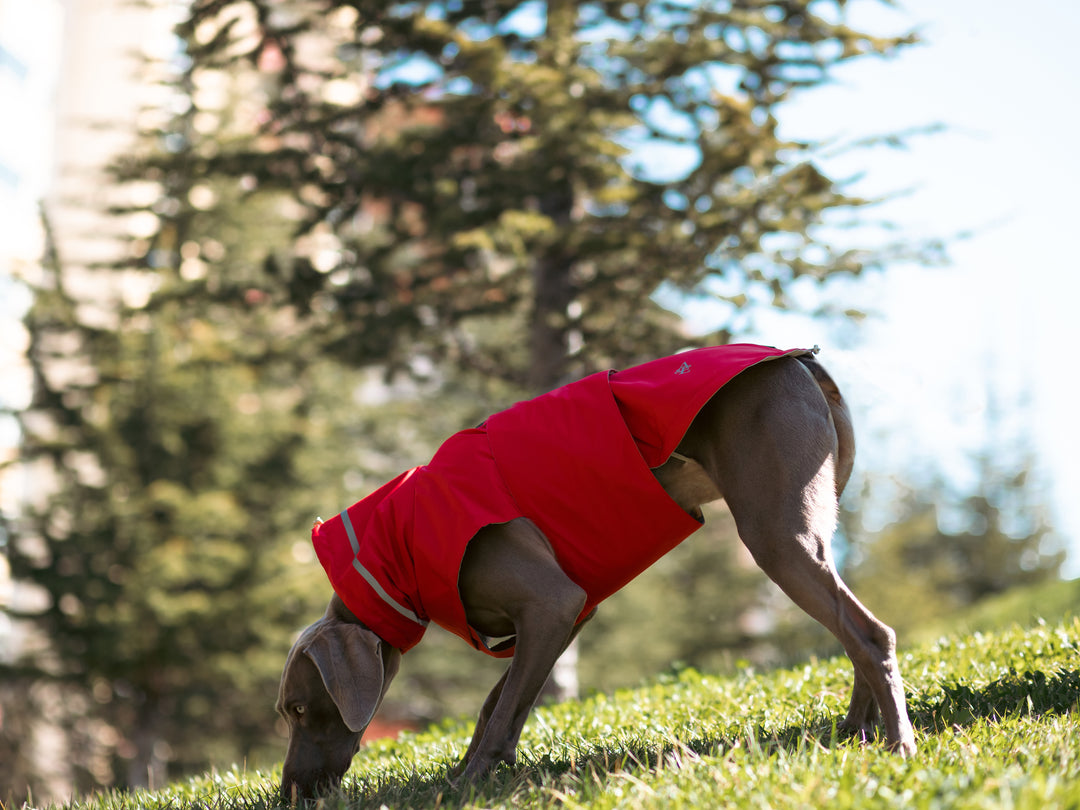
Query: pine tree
{"x": 168, "y": 496}
{"x": 444, "y": 194}
{"x": 174, "y": 449}
{"x": 470, "y": 161}
{"x": 473, "y": 201}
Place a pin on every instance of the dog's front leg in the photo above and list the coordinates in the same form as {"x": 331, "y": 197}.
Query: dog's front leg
{"x": 544, "y": 634}
{"x": 511, "y": 583}
{"x": 492, "y": 701}
{"x": 481, "y": 724}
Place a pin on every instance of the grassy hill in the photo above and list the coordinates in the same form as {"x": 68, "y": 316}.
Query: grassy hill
{"x": 1018, "y": 607}
{"x": 996, "y": 715}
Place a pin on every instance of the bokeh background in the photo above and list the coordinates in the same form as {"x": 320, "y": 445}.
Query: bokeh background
{"x": 258, "y": 257}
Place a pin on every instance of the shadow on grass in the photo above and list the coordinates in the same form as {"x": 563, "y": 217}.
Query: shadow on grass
{"x": 1017, "y": 694}
{"x": 534, "y": 775}
{"x": 954, "y": 705}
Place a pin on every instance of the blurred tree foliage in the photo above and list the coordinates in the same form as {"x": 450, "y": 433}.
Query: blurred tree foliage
{"x": 454, "y": 164}
{"x": 375, "y": 223}
{"x": 704, "y": 605}
{"x": 169, "y": 472}
{"x": 947, "y": 552}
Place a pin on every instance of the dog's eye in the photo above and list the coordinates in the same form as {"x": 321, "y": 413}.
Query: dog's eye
{"x": 299, "y": 710}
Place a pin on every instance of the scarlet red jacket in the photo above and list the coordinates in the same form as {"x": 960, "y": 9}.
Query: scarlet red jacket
{"x": 394, "y": 556}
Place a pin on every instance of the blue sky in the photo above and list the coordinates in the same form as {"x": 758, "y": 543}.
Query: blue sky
{"x": 946, "y": 346}
{"x": 998, "y": 322}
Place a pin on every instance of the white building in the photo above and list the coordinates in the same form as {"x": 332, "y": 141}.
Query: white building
{"x": 30, "y": 47}
{"x": 73, "y": 85}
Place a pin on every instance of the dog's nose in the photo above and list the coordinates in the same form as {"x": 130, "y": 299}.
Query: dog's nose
{"x": 300, "y": 787}
{"x": 289, "y": 793}
{"x": 294, "y": 791}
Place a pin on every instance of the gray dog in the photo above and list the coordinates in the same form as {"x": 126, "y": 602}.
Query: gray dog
{"x": 519, "y": 528}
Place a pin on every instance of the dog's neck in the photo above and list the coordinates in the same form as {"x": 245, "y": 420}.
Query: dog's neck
{"x": 337, "y": 609}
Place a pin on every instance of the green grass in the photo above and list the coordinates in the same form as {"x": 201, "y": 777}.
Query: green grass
{"x": 996, "y": 716}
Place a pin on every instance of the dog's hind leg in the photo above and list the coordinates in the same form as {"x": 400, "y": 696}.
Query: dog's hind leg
{"x": 862, "y": 714}
{"x": 769, "y": 443}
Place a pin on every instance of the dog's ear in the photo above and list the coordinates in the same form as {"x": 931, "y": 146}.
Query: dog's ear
{"x": 356, "y": 667}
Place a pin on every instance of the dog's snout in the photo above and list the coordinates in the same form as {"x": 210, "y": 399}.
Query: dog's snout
{"x": 296, "y": 787}
{"x": 313, "y": 769}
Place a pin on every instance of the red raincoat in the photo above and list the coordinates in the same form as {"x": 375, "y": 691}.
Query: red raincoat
{"x": 576, "y": 461}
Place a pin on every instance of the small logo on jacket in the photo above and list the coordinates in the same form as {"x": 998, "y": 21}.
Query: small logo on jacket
{"x": 683, "y": 369}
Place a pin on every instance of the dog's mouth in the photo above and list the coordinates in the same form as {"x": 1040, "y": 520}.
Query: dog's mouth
{"x": 297, "y": 790}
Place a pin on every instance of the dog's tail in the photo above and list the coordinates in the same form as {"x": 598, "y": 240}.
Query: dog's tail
{"x": 845, "y": 430}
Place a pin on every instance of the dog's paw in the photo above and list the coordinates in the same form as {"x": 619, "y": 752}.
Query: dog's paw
{"x": 475, "y": 769}
{"x": 863, "y": 732}
{"x": 905, "y": 747}
{"x": 455, "y": 771}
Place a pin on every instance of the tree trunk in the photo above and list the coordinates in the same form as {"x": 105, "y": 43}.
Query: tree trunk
{"x": 548, "y": 332}
{"x": 147, "y": 768}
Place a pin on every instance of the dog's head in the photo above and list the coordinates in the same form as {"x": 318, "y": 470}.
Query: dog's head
{"x": 335, "y": 678}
